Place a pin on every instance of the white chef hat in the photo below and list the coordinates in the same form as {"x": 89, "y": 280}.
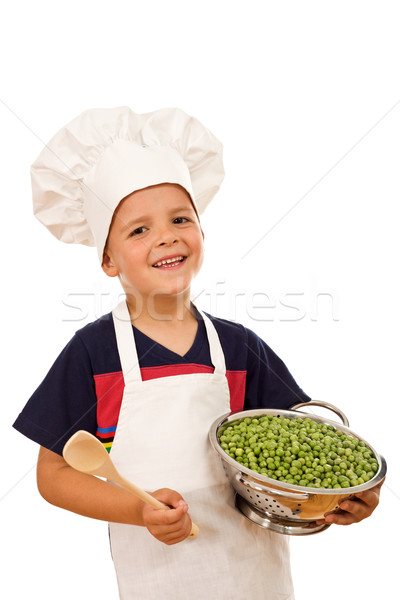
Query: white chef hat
{"x": 104, "y": 155}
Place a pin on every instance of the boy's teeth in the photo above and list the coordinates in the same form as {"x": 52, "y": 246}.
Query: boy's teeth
{"x": 168, "y": 261}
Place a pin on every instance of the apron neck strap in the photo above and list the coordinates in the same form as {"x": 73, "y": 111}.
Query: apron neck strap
{"x": 126, "y": 343}
{"x": 127, "y": 346}
{"x": 216, "y": 352}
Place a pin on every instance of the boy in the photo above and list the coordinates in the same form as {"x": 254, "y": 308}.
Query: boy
{"x": 150, "y": 378}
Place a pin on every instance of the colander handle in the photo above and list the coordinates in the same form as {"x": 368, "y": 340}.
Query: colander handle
{"x": 331, "y": 407}
{"x": 241, "y": 478}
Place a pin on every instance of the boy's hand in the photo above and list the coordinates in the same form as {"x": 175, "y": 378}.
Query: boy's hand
{"x": 168, "y": 526}
{"x": 355, "y": 510}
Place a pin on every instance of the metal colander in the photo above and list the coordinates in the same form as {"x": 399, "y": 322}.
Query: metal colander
{"x": 276, "y": 505}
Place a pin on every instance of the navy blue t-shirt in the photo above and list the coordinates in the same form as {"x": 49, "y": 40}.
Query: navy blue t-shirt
{"x": 84, "y": 387}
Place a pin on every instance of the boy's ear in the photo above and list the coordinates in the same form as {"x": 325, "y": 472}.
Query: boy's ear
{"x": 108, "y": 266}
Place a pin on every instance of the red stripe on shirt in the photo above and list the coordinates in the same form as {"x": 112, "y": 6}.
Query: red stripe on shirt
{"x": 171, "y": 370}
{"x": 110, "y": 388}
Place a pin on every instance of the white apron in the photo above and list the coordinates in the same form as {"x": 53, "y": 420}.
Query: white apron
{"x": 162, "y": 441}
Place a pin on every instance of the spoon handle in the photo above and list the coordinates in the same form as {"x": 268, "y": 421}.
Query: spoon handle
{"x": 144, "y": 496}
{"x": 147, "y": 498}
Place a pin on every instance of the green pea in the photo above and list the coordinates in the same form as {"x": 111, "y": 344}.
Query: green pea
{"x": 298, "y": 451}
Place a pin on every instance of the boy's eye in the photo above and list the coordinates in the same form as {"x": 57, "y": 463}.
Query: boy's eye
{"x": 137, "y": 231}
{"x": 179, "y": 220}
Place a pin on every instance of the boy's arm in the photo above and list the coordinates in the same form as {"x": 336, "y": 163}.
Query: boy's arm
{"x": 86, "y": 495}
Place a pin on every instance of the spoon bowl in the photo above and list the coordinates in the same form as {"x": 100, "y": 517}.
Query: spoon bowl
{"x": 83, "y": 454}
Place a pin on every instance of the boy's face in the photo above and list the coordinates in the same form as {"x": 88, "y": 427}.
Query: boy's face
{"x": 149, "y": 227}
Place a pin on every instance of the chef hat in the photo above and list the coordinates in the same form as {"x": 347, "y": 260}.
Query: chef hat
{"x": 104, "y": 155}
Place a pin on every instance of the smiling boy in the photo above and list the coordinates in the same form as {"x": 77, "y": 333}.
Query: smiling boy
{"x": 155, "y": 247}
{"x": 149, "y": 378}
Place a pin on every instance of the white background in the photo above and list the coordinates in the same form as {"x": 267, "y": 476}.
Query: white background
{"x": 302, "y": 241}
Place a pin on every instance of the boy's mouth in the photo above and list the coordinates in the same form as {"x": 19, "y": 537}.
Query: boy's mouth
{"x": 167, "y": 263}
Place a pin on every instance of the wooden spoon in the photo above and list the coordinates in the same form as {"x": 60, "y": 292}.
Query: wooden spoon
{"x": 85, "y": 453}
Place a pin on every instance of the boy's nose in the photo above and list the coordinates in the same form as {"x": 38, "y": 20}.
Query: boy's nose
{"x": 166, "y": 237}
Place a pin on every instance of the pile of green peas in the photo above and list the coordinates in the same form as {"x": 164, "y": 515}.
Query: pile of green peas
{"x": 298, "y": 451}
